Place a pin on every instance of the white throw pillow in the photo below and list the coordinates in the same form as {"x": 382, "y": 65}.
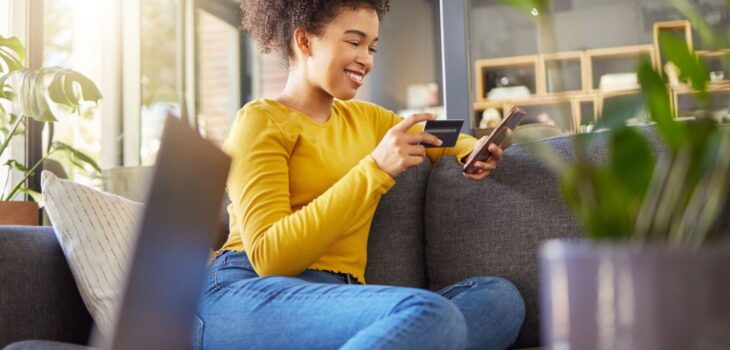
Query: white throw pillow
{"x": 96, "y": 231}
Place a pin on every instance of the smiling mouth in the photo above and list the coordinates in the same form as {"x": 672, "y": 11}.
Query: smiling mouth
{"x": 354, "y": 77}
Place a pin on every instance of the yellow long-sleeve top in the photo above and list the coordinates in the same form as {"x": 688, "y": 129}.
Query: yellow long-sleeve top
{"x": 304, "y": 193}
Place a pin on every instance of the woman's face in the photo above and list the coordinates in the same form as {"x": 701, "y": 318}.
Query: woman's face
{"x": 342, "y": 56}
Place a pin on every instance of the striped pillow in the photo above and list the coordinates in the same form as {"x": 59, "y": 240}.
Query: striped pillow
{"x": 96, "y": 231}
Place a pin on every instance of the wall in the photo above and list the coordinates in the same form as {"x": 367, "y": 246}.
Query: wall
{"x": 408, "y": 53}
{"x": 500, "y": 31}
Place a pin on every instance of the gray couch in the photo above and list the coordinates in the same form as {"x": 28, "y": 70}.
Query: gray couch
{"x": 433, "y": 228}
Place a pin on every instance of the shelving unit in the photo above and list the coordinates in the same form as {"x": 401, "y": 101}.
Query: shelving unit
{"x": 564, "y": 72}
{"x": 681, "y": 28}
{"x": 685, "y": 103}
{"x": 525, "y": 67}
{"x": 615, "y": 60}
{"x": 567, "y": 85}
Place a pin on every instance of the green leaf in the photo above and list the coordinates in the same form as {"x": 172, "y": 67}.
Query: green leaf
{"x": 598, "y": 200}
{"x": 13, "y": 164}
{"x": 6, "y": 90}
{"x": 59, "y": 93}
{"x": 691, "y": 67}
{"x": 656, "y": 97}
{"x": 32, "y": 97}
{"x": 36, "y": 196}
{"x": 631, "y": 161}
{"x": 70, "y": 87}
{"x": 699, "y": 24}
{"x": 12, "y": 53}
{"x": 77, "y": 156}
{"x": 89, "y": 91}
{"x": 617, "y": 110}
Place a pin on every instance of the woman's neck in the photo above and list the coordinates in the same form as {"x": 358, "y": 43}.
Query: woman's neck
{"x": 300, "y": 95}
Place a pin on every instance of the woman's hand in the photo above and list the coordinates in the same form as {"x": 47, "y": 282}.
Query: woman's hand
{"x": 400, "y": 150}
{"x": 486, "y": 168}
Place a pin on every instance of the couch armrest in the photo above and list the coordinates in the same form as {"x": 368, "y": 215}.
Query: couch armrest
{"x": 39, "y": 298}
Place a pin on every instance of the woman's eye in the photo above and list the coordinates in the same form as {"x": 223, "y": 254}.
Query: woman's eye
{"x": 353, "y": 43}
{"x": 373, "y": 50}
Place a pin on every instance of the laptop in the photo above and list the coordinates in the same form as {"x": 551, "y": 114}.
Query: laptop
{"x": 169, "y": 260}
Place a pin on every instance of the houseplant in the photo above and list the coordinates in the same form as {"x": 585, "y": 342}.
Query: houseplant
{"x": 38, "y": 94}
{"x": 654, "y": 272}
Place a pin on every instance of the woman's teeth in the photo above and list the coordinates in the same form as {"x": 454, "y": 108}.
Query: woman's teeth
{"x": 354, "y": 77}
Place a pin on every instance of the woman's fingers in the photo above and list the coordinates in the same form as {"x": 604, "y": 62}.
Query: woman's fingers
{"x": 422, "y": 137}
{"x": 496, "y": 152}
{"x": 483, "y": 170}
{"x": 480, "y": 175}
{"x": 416, "y": 150}
{"x": 486, "y": 166}
{"x": 409, "y": 122}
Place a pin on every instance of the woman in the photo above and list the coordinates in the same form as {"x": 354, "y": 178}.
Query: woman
{"x": 309, "y": 169}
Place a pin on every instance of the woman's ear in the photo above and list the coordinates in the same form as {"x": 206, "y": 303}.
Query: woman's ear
{"x": 303, "y": 42}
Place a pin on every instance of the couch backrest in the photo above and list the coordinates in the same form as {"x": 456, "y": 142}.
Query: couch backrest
{"x": 39, "y": 298}
{"x": 396, "y": 245}
{"x": 494, "y": 227}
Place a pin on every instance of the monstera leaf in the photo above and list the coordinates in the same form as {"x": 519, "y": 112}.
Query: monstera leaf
{"x": 38, "y": 94}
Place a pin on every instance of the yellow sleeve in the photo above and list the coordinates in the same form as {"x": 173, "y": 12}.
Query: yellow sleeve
{"x": 464, "y": 143}
{"x": 277, "y": 241}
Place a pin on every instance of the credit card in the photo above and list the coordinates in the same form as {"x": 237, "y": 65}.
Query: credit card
{"x": 446, "y": 130}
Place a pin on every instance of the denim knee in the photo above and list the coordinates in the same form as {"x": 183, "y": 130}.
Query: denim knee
{"x": 442, "y": 323}
{"x": 511, "y": 304}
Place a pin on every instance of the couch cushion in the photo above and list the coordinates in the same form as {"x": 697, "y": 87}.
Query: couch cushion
{"x": 494, "y": 227}
{"x": 39, "y": 299}
{"x": 96, "y": 231}
{"x": 395, "y": 245}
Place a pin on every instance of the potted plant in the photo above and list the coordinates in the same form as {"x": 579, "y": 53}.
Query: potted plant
{"x": 38, "y": 94}
{"x": 655, "y": 269}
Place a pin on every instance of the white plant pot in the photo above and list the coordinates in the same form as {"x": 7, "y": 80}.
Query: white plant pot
{"x": 621, "y": 296}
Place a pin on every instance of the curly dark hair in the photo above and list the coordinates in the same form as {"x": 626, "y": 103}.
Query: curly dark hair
{"x": 272, "y": 22}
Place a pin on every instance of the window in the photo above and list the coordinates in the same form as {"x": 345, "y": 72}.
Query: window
{"x": 12, "y": 23}
{"x": 72, "y": 36}
{"x": 161, "y": 71}
{"x": 219, "y": 77}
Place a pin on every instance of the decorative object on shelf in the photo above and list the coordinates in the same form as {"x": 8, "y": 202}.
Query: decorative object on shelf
{"x": 508, "y": 93}
{"x": 37, "y": 94}
{"x": 651, "y": 275}
{"x": 618, "y": 82}
{"x": 605, "y": 73}
{"x": 490, "y": 118}
{"x": 717, "y": 76}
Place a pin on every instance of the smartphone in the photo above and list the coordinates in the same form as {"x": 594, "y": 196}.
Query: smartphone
{"x": 497, "y": 137}
{"x": 446, "y": 130}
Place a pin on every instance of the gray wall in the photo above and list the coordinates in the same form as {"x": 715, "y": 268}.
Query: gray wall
{"x": 500, "y": 31}
{"x": 409, "y": 48}
{"x": 408, "y": 53}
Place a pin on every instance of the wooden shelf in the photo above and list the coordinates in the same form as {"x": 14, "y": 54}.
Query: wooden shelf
{"x": 683, "y": 27}
{"x": 482, "y": 67}
{"x": 581, "y": 96}
{"x": 547, "y": 61}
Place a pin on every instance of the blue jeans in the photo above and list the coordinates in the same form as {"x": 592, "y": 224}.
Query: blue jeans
{"x": 324, "y": 310}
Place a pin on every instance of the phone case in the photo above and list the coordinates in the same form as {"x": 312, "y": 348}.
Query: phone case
{"x": 498, "y": 137}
